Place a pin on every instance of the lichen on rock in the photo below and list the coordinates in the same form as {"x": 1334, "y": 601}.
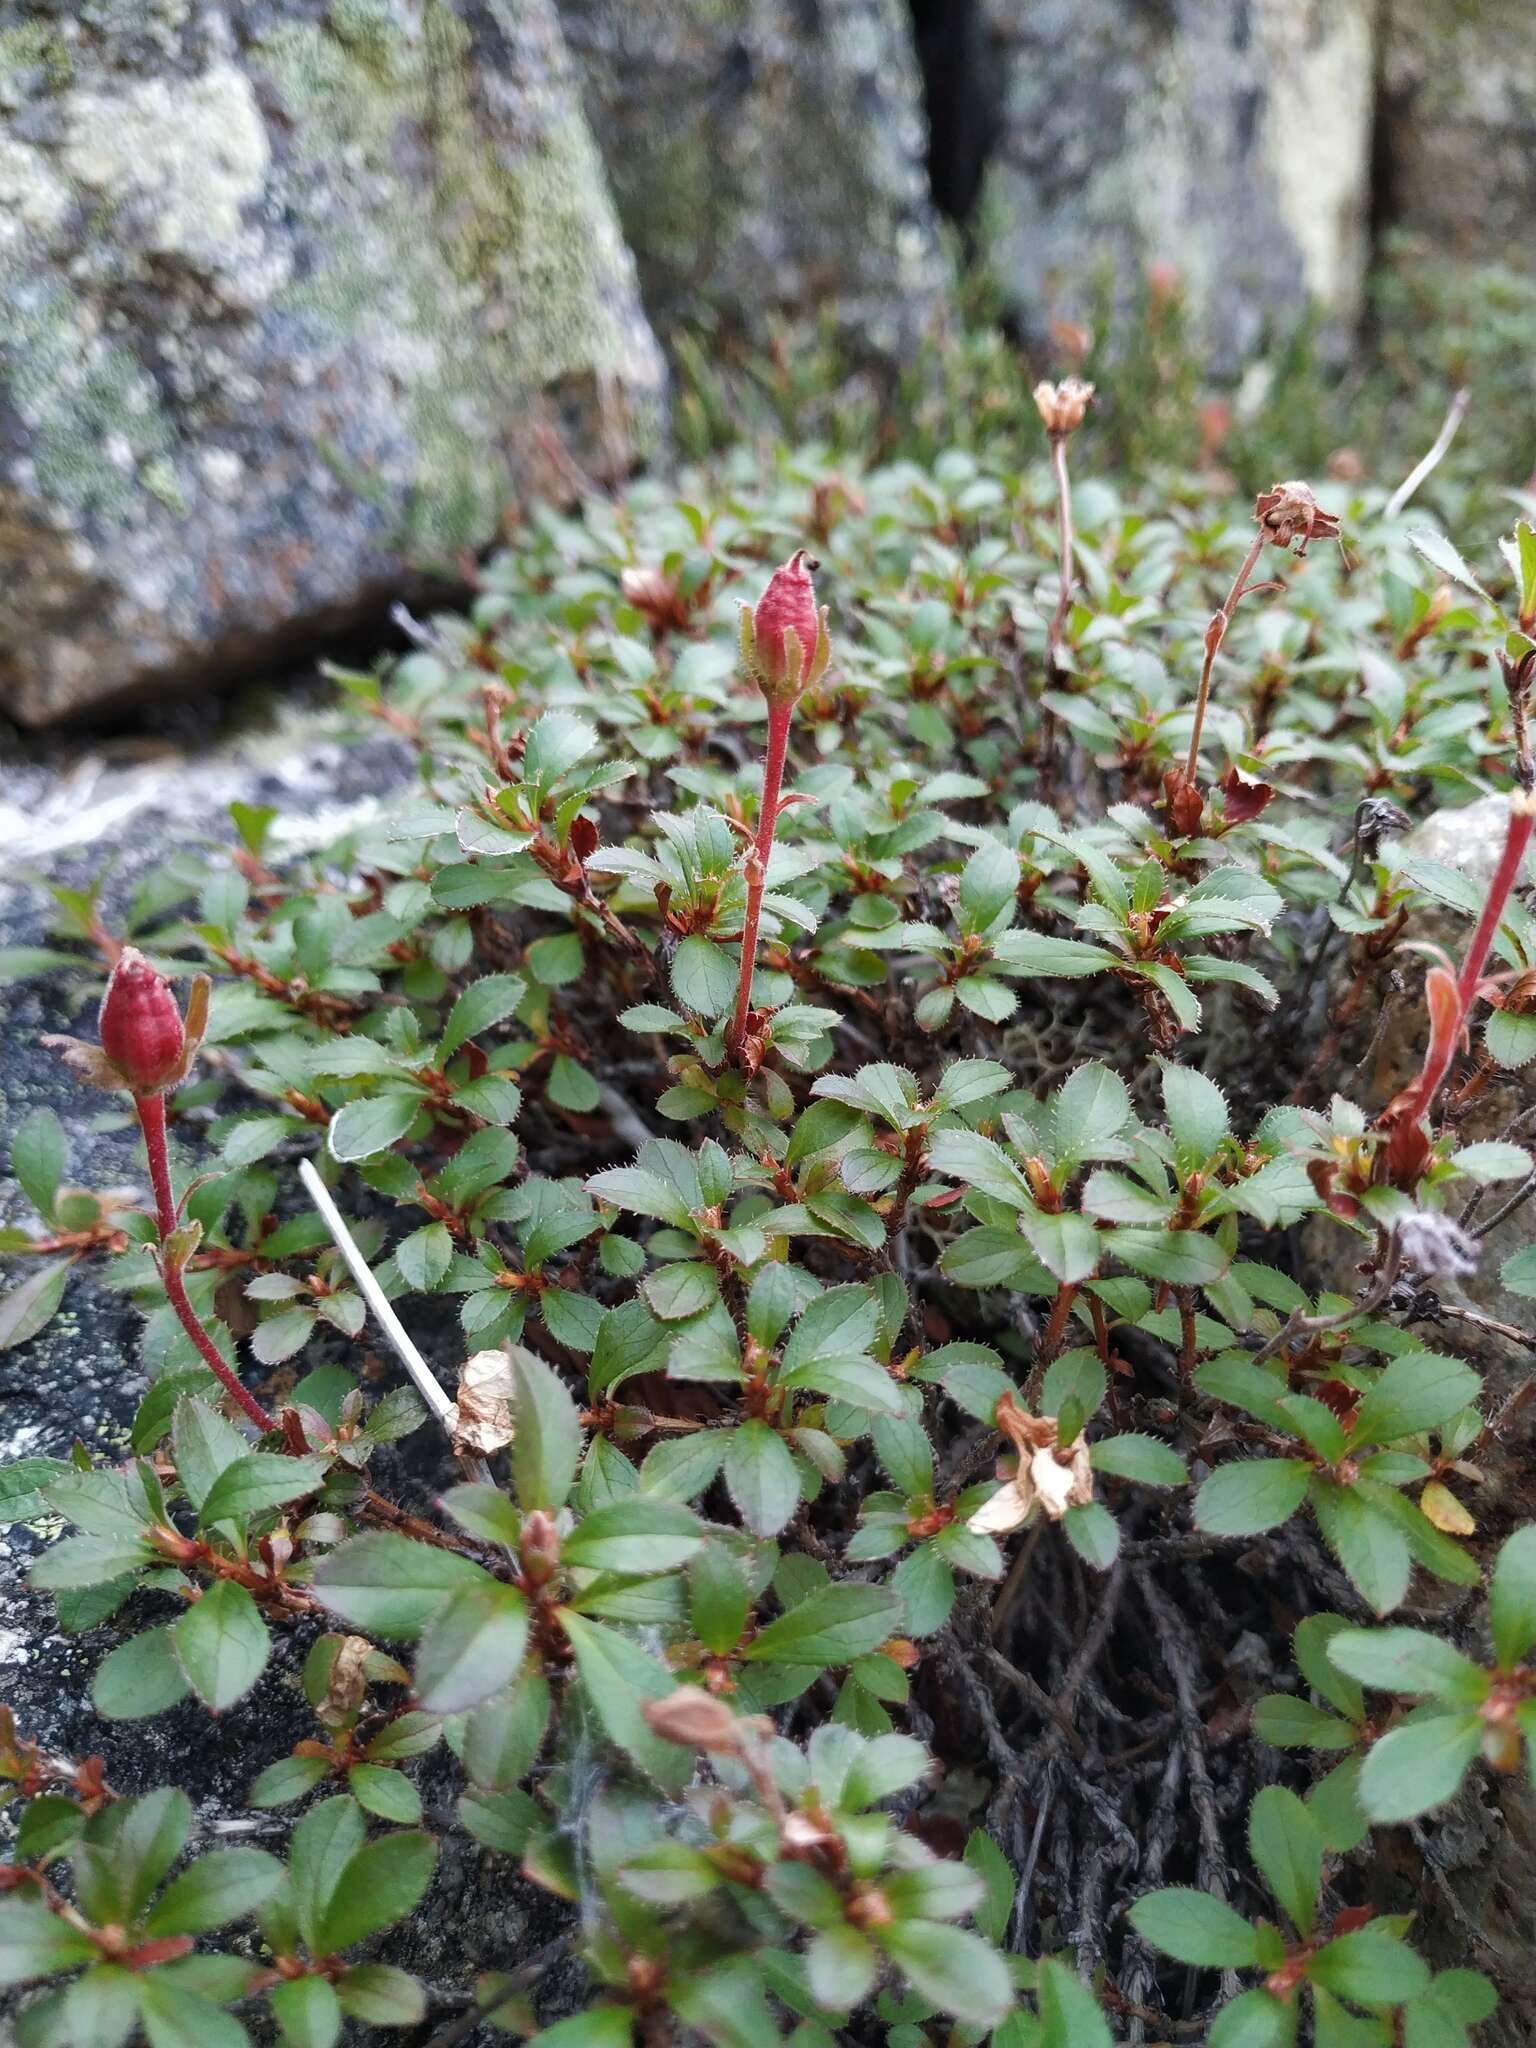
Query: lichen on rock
{"x": 291, "y": 288}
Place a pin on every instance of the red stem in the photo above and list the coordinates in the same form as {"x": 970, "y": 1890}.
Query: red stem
{"x": 151, "y": 1109}
{"x": 779, "y": 716}
{"x": 1517, "y": 837}
{"x": 1442, "y": 1046}
{"x": 1215, "y": 633}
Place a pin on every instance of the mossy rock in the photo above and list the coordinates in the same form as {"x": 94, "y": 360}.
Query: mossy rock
{"x": 766, "y": 158}
{"x": 1231, "y": 141}
{"x": 296, "y": 292}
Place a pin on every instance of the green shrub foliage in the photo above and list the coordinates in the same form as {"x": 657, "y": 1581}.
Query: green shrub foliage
{"x": 874, "y": 1417}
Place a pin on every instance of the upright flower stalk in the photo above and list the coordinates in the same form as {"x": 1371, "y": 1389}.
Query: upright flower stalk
{"x": 784, "y": 651}
{"x": 1285, "y": 513}
{"x": 146, "y": 1047}
{"x": 1062, "y": 408}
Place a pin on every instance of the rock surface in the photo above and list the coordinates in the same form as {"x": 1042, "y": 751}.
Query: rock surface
{"x": 290, "y": 288}
{"x": 1229, "y": 139}
{"x": 766, "y": 156}
{"x": 1458, "y": 126}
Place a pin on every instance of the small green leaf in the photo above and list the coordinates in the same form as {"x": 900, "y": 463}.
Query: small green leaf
{"x": 840, "y": 1966}
{"x": 1255, "y": 2019}
{"x": 486, "y": 1002}
{"x": 639, "y": 1535}
{"x": 471, "y": 1648}
{"x": 1069, "y": 2012}
{"x": 307, "y": 2012}
{"x": 1369, "y": 1545}
{"x": 222, "y": 1645}
{"x": 30, "y": 1307}
{"x": 547, "y": 1446}
{"x": 761, "y": 1478}
{"x": 387, "y": 1793}
{"x": 81, "y": 1561}
{"x": 1197, "y": 1114}
{"x": 258, "y": 1482}
{"x": 1369, "y": 1967}
{"x": 371, "y": 1125}
{"x": 1409, "y": 1660}
{"x": 39, "y": 1155}
{"x": 617, "y": 1676}
{"x": 21, "y": 1484}
{"x": 390, "y": 1586}
{"x": 703, "y": 976}
{"x": 378, "y": 1886}
{"x": 381, "y": 1996}
{"x": 1418, "y": 1765}
{"x": 139, "y": 1678}
{"x": 1193, "y": 1927}
{"x": 1289, "y": 1723}
{"x": 224, "y": 1885}
{"x": 1284, "y": 1843}
{"x": 1417, "y": 1391}
{"x": 832, "y": 1627}
{"x": 952, "y": 1968}
{"x": 996, "y": 1874}
{"x": 36, "y": 1943}
{"x": 1141, "y": 1458}
{"x": 1512, "y": 1598}
{"x": 425, "y": 1257}
{"x": 1093, "y": 1533}
{"x": 1251, "y": 1495}
{"x": 600, "y": 2026}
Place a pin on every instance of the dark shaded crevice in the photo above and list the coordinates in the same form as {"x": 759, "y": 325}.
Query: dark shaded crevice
{"x": 1385, "y": 112}
{"x": 962, "y": 97}
{"x": 181, "y": 701}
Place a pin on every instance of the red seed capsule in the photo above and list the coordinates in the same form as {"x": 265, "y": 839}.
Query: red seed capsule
{"x": 141, "y": 1029}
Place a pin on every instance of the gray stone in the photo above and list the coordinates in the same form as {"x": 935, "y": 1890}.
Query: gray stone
{"x": 294, "y": 294}
{"x": 1229, "y": 138}
{"x": 1458, "y": 126}
{"x": 766, "y": 156}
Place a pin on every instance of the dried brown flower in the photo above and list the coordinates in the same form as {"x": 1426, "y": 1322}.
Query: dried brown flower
{"x": 1063, "y": 407}
{"x": 1048, "y": 1477}
{"x": 480, "y": 1420}
{"x": 1289, "y": 512}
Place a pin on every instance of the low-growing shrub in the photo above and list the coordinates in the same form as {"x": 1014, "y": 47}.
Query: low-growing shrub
{"x": 858, "y": 1221}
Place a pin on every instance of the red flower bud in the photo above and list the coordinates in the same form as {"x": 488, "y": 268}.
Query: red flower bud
{"x": 141, "y": 1029}
{"x": 788, "y": 605}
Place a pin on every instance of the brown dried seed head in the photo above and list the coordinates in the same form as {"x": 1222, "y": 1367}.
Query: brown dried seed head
{"x": 1062, "y": 407}
{"x": 1289, "y": 512}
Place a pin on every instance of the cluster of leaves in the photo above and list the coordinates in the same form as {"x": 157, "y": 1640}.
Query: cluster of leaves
{"x": 124, "y": 1934}
{"x": 787, "y": 1348}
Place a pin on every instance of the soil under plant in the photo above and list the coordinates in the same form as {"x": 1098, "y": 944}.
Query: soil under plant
{"x": 982, "y": 1491}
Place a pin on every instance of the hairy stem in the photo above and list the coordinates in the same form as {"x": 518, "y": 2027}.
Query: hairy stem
{"x": 757, "y": 866}
{"x": 151, "y": 1109}
{"x": 1215, "y": 633}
